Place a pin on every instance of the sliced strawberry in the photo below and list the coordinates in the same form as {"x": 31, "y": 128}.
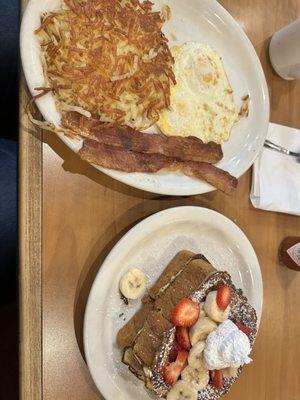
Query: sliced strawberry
{"x": 183, "y": 339}
{"x": 243, "y": 328}
{"x": 174, "y": 351}
{"x": 182, "y": 359}
{"x": 223, "y": 296}
{"x": 216, "y": 377}
{"x": 185, "y": 313}
{"x": 172, "y": 371}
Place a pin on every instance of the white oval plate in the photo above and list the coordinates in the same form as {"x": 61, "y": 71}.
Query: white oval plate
{"x": 198, "y": 20}
{"x": 150, "y": 245}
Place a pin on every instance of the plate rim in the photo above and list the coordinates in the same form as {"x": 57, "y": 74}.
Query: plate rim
{"x": 176, "y": 190}
{"x": 106, "y": 265}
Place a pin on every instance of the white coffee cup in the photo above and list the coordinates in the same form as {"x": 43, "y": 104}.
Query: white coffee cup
{"x": 284, "y": 51}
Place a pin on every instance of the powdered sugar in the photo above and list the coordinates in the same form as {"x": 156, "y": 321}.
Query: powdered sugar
{"x": 241, "y": 311}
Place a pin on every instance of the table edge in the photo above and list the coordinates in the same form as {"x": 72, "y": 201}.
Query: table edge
{"x": 30, "y": 253}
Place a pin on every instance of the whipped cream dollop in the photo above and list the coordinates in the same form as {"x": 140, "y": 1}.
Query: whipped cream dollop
{"x": 227, "y": 346}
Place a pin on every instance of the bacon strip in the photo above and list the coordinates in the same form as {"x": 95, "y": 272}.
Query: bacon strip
{"x": 183, "y": 148}
{"x": 125, "y": 160}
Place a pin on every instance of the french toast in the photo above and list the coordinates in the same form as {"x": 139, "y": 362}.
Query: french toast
{"x": 149, "y": 336}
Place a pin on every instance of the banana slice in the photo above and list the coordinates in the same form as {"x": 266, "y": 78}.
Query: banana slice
{"x": 202, "y": 311}
{"x": 202, "y": 328}
{"x": 195, "y": 358}
{"x": 133, "y": 284}
{"x": 182, "y": 390}
{"x": 196, "y": 377}
{"x": 212, "y": 310}
{"x": 230, "y": 372}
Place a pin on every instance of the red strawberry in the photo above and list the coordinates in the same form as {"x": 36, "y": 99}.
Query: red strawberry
{"x": 185, "y": 313}
{"x": 174, "y": 351}
{"x": 216, "y": 377}
{"x": 172, "y": 371}
{"x": 243, "y": 328}
{"x": 182, "y": 336}
{"x": 182, "y": 358}
{"x": 223, "y": 296}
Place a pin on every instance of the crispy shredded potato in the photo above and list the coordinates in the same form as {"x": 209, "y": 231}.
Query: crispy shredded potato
{"x": 108, "y": 58}
{"x": 166, "y": 13}
{"x": 244, "y": 110}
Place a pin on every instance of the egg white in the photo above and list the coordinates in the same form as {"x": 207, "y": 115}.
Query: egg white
{"x": 202, "y": 103}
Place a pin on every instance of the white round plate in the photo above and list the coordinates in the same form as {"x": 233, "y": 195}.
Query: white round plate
{"x": 150, "y": 245}
{"x": 205, "y": 21}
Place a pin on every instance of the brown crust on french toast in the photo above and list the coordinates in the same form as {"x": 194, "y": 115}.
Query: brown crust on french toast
{"x": 144, "y": 331}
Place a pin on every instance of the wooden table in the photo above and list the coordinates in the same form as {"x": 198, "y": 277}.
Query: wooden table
{"x": 71, "y": 216}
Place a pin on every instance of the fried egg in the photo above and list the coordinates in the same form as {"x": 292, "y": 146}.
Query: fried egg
{"x": 202, "y": 103}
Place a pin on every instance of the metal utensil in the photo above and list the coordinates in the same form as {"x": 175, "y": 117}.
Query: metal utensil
{"x": 283, "y": 150}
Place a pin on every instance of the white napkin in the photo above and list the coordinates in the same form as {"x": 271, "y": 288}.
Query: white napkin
{"x": 276, "y": 177}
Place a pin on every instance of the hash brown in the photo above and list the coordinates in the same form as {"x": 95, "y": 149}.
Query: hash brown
{"x": 109, "y": 58}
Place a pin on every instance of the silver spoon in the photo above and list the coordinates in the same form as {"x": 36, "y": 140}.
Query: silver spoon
{"x": 273, "y": 146}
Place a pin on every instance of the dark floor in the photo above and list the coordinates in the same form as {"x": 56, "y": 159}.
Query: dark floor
{"x": 9, "y": 332}
{"x": 9, "y": 339}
